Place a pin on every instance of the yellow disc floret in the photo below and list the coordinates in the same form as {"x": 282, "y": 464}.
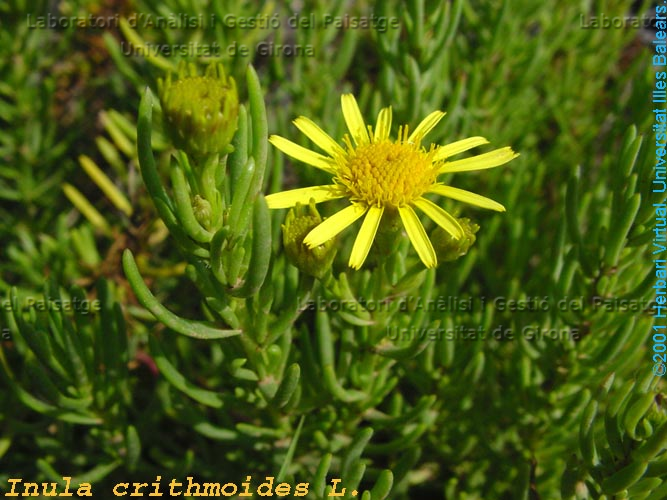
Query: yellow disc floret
{"x": 386, "y": 173}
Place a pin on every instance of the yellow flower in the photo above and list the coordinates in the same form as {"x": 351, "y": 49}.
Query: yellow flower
{"x": 377, "y": 174}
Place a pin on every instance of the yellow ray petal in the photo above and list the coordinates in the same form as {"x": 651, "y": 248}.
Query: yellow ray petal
{"x": 290, "y": 198}
{"x": 492, "y": 159}
{"x": 333, "y": 225}
{"x": 302, "y": 154}
{"x": 383, "y": 125}
{"x": 365, "y": 238}
{"x": 440, "y": 217}
{"x": 457, "y": 147}
{"x": 418, "y": 236}
{"x": 466, "y": 197}
{"x": 353, "y": 119}
{"x": 425, "y": 126}
{"x": 318, "y": 136}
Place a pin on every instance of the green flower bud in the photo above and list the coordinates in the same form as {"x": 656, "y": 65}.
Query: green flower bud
{"x": 202, "y": 210}
{"x": 447, "y": 248}
{"x": 200, "y": 112}
{"x": 312, "y": 261}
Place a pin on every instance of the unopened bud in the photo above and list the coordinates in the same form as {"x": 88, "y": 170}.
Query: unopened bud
{"x": 312, "y": 261}
{"x": 200, "y": 112}
{"x": 447, "y": 248}
{"x": 202, "y": 210}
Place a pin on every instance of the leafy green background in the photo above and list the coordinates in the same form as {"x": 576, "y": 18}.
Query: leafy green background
{"x": 114, "y": 395}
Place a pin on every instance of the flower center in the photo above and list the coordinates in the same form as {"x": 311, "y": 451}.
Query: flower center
{"x": 386, "y": 173}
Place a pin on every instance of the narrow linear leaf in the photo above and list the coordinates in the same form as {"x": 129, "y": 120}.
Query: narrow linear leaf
{"x": 175, "y": 378}
{"x": 287, "y": 461}
{"x": 185, "y": 327}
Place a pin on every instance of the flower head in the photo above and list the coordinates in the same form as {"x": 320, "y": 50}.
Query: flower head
{"x": 377, "y": 175}
{"x": 201, "y": 112}
{"x": 447, "y": 248}
{"x": 313, "y": 261}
